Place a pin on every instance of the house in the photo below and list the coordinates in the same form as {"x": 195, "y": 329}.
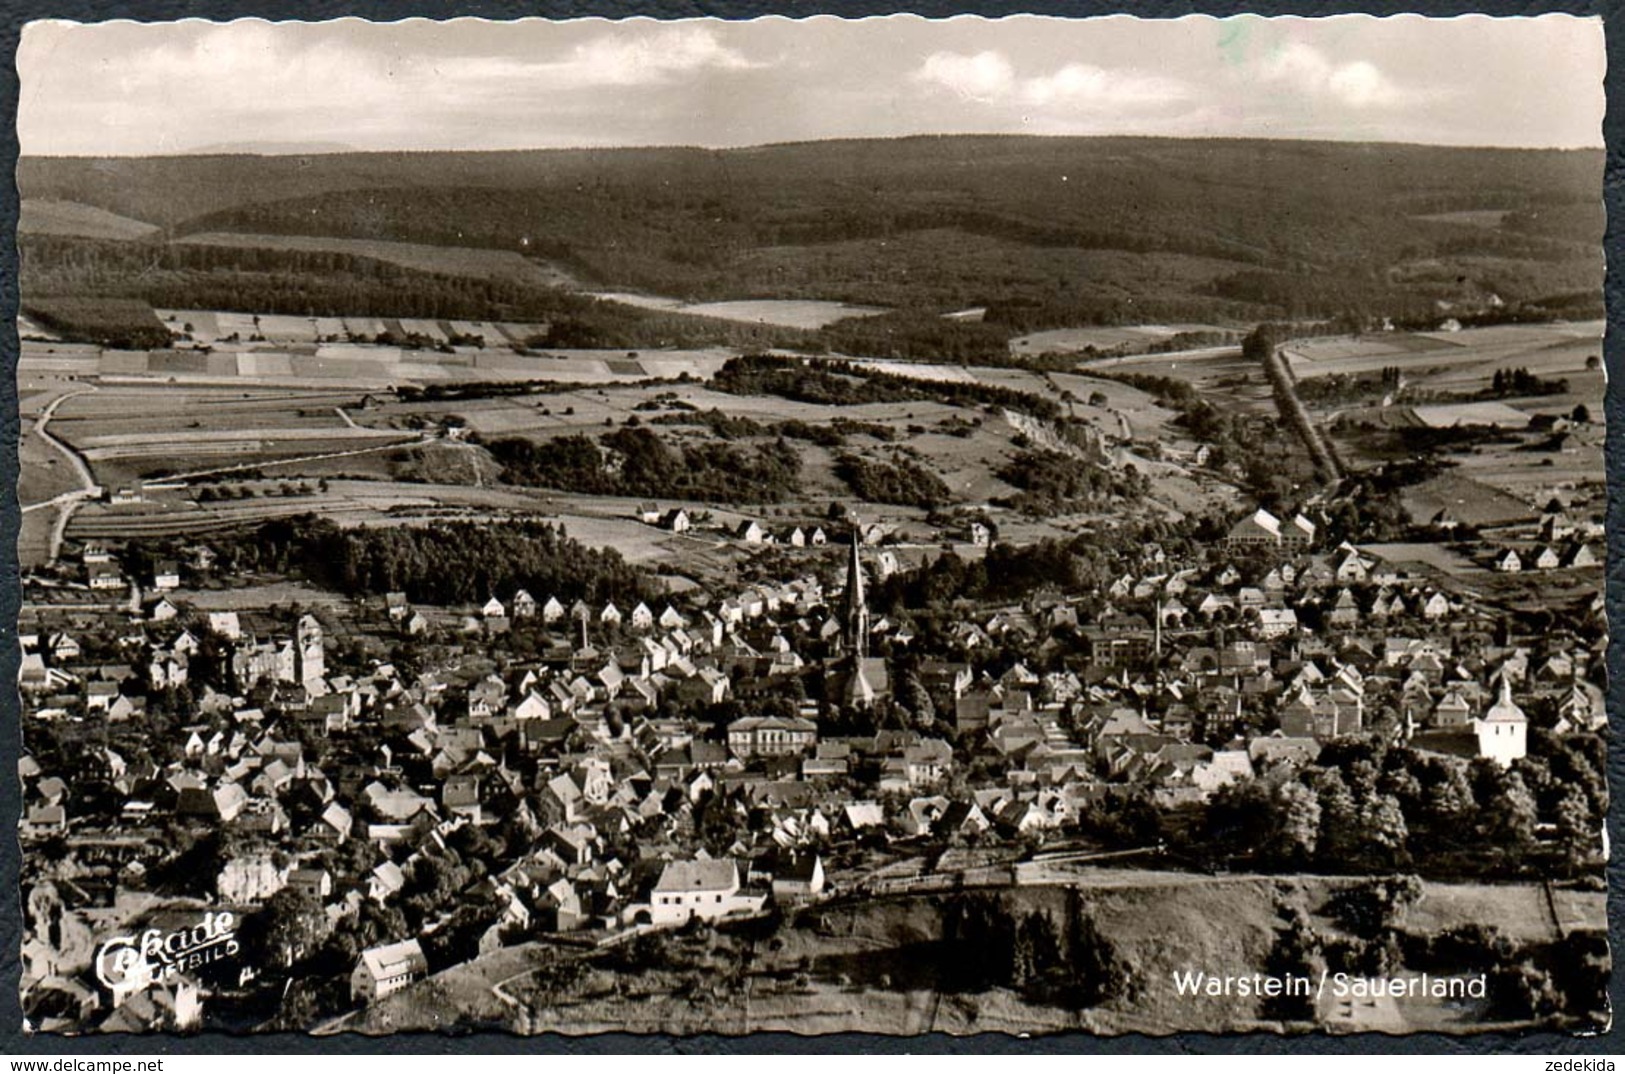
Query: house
{"x": 677, "y": 521}
{"x": 1508, "y": 562}
{"x": 1579, "y": 555}
{"x": 226, "y": 625}
{"x": 552, "y": 611}
{"x": 64, "y": 648}
{"x": 385, "y": 970}
{"x": 524, "y": 605}
{"x": 1452, "y": 710}
{"x": 798, "y": 874}
{"x": 1547, "y": 559}
{"x": 771, "y": 736}
{"x": 1263, "y": 530}
{"x": 1277, "y": 622}
{"x": 105, "y": 576}
{"x": 166, "y": 575}
{"x": 312, "y": 882}
{"x": 494, "y": 609}
{"x": 703, "y": 889}
{"x": 395, "y": 606}
{"x": 750, "y": 532}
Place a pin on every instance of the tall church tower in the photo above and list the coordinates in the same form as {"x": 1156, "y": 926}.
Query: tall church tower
{"x": 854, "y": 606}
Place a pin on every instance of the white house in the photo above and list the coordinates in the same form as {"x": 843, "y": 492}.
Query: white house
{"x": 703, "y": 889}
{"x": 384, "y": 970}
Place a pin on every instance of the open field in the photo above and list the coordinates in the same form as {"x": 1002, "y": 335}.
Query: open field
{"x": 43, "y": 470}
{"x": 360, "y": 366}
{"x": 1101, "y": 338}
{"x": 785, "y": 313}
{"x": 1454, "y": 359}
{"x": 1483, "y": 218}
{"x": 1470, "y": 502}
{"x": 479, "y": 262}
{"x": 370, "y": 446}
{"x": 48, "y": 216}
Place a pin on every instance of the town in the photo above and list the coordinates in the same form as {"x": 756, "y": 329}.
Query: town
{"x": 393, "y": 789}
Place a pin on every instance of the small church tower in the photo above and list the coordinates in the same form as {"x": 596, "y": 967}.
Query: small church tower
{"x": 309, "y": 652}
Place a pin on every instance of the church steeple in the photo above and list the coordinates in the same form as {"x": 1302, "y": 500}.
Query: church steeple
{"x": 854, "y": 606}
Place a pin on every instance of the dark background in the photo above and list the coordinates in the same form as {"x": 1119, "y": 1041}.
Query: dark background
{"x": 14, "y": 14}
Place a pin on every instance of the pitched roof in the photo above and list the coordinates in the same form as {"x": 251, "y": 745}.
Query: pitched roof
{"x": 718, "y": 875}
{"x": 394, "y": 959}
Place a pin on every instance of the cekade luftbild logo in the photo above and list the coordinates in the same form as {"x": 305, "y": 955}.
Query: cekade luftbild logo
{"x": 130, "y": 963}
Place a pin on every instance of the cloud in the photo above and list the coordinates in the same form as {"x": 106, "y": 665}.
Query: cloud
{"x": 655, "y": 57}
{"x": 1357, "y": 84}
{"x": 989, "y": 77}
{"x": 251, "y": 63}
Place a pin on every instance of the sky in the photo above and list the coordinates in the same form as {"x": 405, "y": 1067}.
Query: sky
{"x": 125, "y": 88}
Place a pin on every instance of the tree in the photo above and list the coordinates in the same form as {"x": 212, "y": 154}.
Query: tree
{"x": 291, "y": 925}
{"x": 1449, "y": 800}
{"x": 1339, "y": 819}
{"x": 1383, "y": 822}
{"x": 1581, "y": 414}
{"x": 1576, "y": 832}
{"x": 1296, "y": 824}
{"x": 1509, "y": 815}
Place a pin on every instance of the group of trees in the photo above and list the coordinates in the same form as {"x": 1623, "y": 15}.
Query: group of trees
{"x": 1052, "y": 483}
{"x": 1515, "y": 382}
{"x": 126, "y": 324}
{"x": 635, "y": 461}
{"x": 804, "y": 382}
{"x": 1262, "y": 345}
{"x": 441, "y": 563}
{"x": 1365, "y": 806}
{"x": 901, "y": 480}
{"x": 992, "y": 944}
{"x": 828, "y": 382}
{"x": 1338, "y": 389}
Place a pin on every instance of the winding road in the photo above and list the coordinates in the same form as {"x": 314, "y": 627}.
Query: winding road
{"x": 68, "y": 502}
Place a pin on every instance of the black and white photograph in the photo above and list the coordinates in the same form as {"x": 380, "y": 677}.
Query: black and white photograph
{"x": 1017, "y": 526}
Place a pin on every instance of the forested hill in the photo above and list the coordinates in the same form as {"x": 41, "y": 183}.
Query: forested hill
{"x": 927, "y": 222}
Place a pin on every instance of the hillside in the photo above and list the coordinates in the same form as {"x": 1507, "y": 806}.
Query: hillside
{"x": 900, "y": 966}
{"x": 43, "y": 216}
{"x": 1045, "y": 232}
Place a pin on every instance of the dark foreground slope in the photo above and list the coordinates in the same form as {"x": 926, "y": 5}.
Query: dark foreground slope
{"x": 1101, "y": 957}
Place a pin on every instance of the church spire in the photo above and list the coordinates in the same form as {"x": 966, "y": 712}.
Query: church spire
{"x": 854, "y": 605}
